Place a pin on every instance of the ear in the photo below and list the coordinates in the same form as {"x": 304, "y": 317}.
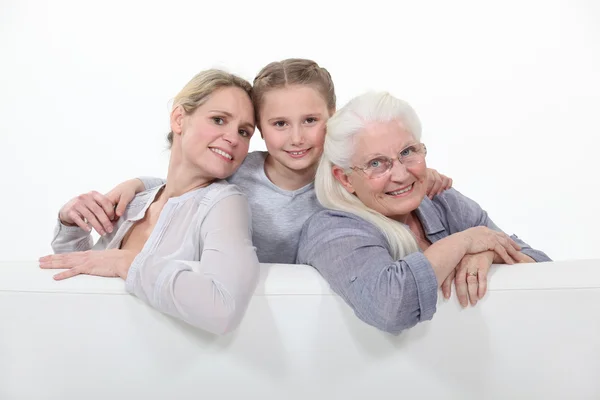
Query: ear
{"x": 177, "y": 120}
{"x": 340, "y": 175}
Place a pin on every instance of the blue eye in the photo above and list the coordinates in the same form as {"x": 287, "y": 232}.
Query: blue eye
{"x": 407, "y": 151}
{"x": 375, "y": 163}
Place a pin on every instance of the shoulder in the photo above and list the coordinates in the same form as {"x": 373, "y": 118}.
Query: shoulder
{"x": 327, "y": 222}
{"x": 253, "y": 161}
{"x": 459, "y": 211}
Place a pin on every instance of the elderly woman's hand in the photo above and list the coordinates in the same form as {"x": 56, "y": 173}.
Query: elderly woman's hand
{"x": 482, "y": 238}
{"x": 108, "y": 263}
{"x": 436, "y": 183}
{"x": 470, "y": 278}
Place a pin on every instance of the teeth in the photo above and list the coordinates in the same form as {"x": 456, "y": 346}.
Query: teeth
{"x": 297, "y": 153}
{"x": 221, "y": 152}
{"x": 397, "y": 192}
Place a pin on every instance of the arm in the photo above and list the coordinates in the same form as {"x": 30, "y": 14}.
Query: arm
{"x": 353, "y": 257}
{"x": 212, "y": 293}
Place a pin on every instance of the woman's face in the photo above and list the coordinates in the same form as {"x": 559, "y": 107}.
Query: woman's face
{"x": 398, "y": 191}
{"x": 215, "y": 137}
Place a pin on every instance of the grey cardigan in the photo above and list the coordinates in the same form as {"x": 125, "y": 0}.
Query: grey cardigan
{"x": 354, "y": 257}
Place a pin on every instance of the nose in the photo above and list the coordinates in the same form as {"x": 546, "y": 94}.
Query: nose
{"x": 297, "y": 136}
{"x": 399, "y": 171}
{"x": 232, "y": 137}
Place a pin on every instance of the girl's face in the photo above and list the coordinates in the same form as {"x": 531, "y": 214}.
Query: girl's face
{"x": 292, "y": 123}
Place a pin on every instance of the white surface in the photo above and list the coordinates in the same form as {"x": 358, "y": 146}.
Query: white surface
{"x": 508, "y": 93}
{"x": 535, "y": 335}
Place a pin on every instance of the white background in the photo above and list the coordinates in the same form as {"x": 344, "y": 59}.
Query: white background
{"x": 508, "y": 93}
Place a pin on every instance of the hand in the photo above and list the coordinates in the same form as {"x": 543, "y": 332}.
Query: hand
{"x": 108, "y": 263}
{"x": 123, "y": 193}
{"x": 482, "y": 238}
{"x": 436, "y": 183}
{"x": 471, "y": 277}
{"x": 93, "y": 207}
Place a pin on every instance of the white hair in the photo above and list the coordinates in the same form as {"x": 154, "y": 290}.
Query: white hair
{"x": 338, "y": 150}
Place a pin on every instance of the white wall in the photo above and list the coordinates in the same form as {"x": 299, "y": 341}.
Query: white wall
{"x": 508, "y": 93}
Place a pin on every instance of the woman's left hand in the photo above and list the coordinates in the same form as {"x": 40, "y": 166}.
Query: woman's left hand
{"x": 108, "y": 263}
{"x": 470, "y": 278}
{"x": 436, "y": 183}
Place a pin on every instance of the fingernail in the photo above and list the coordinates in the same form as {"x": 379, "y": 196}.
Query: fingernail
{"x": 110, "y": 229}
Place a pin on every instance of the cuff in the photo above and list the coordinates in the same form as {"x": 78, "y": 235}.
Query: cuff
{"x": 426, "y": 283}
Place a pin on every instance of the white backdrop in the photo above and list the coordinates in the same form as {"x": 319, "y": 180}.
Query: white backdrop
{"x": 508, "y": 94}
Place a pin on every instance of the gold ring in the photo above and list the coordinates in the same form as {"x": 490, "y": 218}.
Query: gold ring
{"x": 472, "y": 273}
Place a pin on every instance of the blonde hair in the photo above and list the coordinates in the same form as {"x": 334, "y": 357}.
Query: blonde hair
{"x": 201, "y": 86}
{"x": 339, "y": 147}
{"x": 293, "y": 71}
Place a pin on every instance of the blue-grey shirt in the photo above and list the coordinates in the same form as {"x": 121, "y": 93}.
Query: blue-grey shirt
{"x": 353, "y": 255}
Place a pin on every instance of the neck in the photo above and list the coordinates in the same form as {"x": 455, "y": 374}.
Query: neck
{"x": 288, "y": 179}
{"x": 182, "y": 178}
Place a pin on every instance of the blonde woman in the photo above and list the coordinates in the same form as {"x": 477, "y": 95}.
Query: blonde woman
{"x": 381, "y": 243}
{"x": 185, "y": 246}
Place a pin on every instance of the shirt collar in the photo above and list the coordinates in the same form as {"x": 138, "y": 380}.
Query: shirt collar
{"x": 428, "y": 215}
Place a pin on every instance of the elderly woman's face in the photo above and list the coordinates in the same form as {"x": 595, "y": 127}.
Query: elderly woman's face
{"x": 399, "y": 191}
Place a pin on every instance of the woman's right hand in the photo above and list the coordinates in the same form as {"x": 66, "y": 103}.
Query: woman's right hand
{"x": 482, "y": 238}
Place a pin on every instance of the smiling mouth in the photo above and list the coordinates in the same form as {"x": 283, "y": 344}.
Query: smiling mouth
{"x": 222, "y": 153}
{"x": 400, "y": 192}
{"x": 298, "y": 154}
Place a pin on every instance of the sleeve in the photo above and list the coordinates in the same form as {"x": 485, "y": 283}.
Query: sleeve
{"x": 213, "y": 293}
{"x": 353, "y": 257}
{"x": 151, "y": 182}
{"x": 70, "y": 238}
{"x": 464, "y": 213}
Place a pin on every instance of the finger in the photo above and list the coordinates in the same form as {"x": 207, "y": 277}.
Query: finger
{"x": 100, "y": 215}
{"x": 447, "y": 285}
{"x": 482, "y": 278}
{"x": 449, "y": 183}
{"x": 460, "y": 282}
{"x": 107, "y": 205}
{"x": 92, "y": 220}
{"x": 503, "y": 254}
{"x": 437, "y": 184}
{"x": 472, "y": 285}
{"x": 67, "y": 274}
{"x": 76, "y": 218}
{"x": 122, "y": 204}
{"x": 61, "y": 261}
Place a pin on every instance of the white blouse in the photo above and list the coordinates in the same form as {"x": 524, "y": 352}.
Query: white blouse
{"x": 198, "y": 264}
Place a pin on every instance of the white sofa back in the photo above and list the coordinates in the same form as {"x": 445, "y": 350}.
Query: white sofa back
{"x": 535, "y": 335}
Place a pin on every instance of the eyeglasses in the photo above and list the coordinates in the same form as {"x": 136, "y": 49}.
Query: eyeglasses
{"x": 379, "y": 166}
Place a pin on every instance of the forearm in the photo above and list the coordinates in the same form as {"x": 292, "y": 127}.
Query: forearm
{"x": 445, "y": 254}
{"x": 147, "y": 182}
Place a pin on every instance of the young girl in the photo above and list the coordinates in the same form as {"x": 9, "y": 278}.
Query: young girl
{"x": 293, "y": 100}
{"x": 185, "y": 246}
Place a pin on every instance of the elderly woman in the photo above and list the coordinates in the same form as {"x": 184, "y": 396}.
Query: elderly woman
{"x": 384, "y": 246}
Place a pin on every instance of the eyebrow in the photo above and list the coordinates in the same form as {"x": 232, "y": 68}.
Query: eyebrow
{"x": 368, "y": 156}
{"x": 230, "y": 115}
{"x": 320, "y": 115}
